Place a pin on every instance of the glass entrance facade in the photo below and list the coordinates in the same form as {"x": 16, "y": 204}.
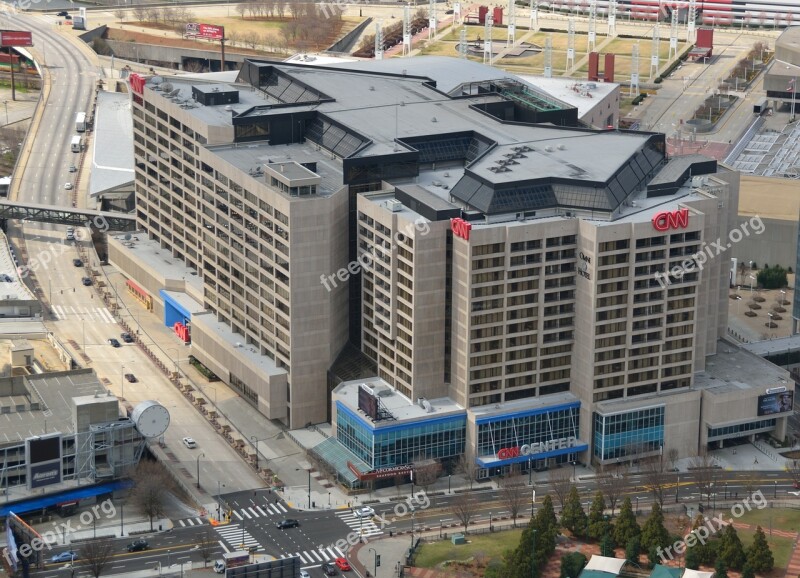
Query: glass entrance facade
{"x": 629, "y": 433}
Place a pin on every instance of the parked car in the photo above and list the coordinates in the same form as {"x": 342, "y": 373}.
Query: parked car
{"x": 67, "y": 17}
{"x": 131, "y": 378}
{"x": 126, "y": 337}
{"x": 77, "y": 262}
{"x": 365, "y": 512}
{"x": 329, "y": 569}
{"x": 73, "y": 169}
{"x": 62, "y": 13}
{"x": 68, "y": 186}
{"x": 114, "y": 343}
{"x": 87, "y": 281}
{"x": 189, "y": 443}
{"x": 67, "y": 556}
{"x": 288, "y": 523}
{"x": 342, "y": 564}
{"x": 139, "y": 545}
{"x": 304, "y": 574}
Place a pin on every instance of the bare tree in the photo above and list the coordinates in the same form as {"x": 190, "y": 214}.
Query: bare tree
{"x": 560, "y": 483}
{"x": 120, "y": 14}
{"x": 464, "y": 507}
{"x": 193, "y": 66}
{"x": 467, "y": 468}
{"x": 205, "y": 545}
{"x": 793, "y": 469}
{"x": 250, "y": 38}
{"x": 612, "y": 483}
{"x": 280, "y": 7}
{"x": 241, "y": 8}
{"x": 655, "y": 479}
{"x": 426, "y": 472}
{"x": 514, "y": 494}
{"x": 151, "y": 485}
{"x": 232, "y": 37}
{"x": 705, "y": 473}
{"x": 140, "y": 12}
{"x": 672, "y": 456}
{"x": 97, "y": 554}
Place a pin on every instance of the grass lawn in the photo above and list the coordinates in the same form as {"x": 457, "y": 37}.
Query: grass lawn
{"x": 782, "y": 519}
{"x": 491, "y": 545}
{"x": 781, "y": 547}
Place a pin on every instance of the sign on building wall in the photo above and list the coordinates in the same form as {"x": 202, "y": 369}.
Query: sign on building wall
{"x": 461, "y": 228}
{"x": 537, "y": 448}
{"x": 666, "y": 220}
{"x": 43, "y": 456}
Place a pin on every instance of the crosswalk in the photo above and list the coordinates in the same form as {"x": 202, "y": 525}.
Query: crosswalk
{"x": 236, "y": 536}
{"x": 96, "y": 314}
{"x": 366, "y": 526}
{"x": 318, "y": 556}
{"x": 190, "y": 522}
{"x": 259, "y": 511}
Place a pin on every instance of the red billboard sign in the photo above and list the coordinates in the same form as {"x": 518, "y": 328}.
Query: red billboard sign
{"x": 666, "y": 220}
{"x": 461, "y": 228}
{"x": 137, "y": 84}
{"x": 205, "y": 31}
{"x": 15, "y": 38}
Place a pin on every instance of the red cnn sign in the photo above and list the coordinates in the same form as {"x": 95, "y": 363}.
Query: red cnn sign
{"x": 15, "y": 38}
{"x": 182, "y": 331}
{"x": 137, "y": 83}
{"x": 461, "y": 228}
{"x": 205, "y": 31}
{"x": 666, "y": 220}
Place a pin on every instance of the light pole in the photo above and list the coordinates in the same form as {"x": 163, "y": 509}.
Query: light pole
{"x": 198, "y": 468}
{"x": 449, "y": 487}
{"x": 5, "y": 102}
{"x": 752, "y": 278}
{"x": 637, "y": 505}
{"x": 219, "y": 499}
{"x": 121, "y": 520}
{"x": 783, "y": 297}
{"x": 309, "y": 486}
{"x": 255, "y": 441}
{"x": 375, "y": 562}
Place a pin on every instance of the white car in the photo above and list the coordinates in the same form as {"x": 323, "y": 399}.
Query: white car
{"x": 68, "y": 186}
{"x": 189, "y": 443}
{"x": 365, "y": 512}
{"x": 304, "y": 574}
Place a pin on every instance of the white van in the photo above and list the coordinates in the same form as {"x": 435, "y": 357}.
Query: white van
{"x": 76, "y": 144}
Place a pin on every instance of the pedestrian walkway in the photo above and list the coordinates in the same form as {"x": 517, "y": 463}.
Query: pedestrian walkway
{"x": 238, "y": 538}
{"x": 312, "y": 558}
{"x": 793, "y": 568}
{"x": 260, "y": 511}
{"x": 363, "y": 525}
{"x": 781, "y": 533}
{"x": 94, "y": 314}
{"x": 189, "y": 522}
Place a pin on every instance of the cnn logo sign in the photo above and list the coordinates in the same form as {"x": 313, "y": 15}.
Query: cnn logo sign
{"x": 461, "y": 228}
{"x": 666, "y": 220}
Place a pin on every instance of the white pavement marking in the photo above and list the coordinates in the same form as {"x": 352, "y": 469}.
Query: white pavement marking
{"x": 249, "y": 517}
{"x": 252, "y": 511}
{"x": 260, "y": 511}
{"x": 235, "y": 513}
{"x": 224, "y": 547}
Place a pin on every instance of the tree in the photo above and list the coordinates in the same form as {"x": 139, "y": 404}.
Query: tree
{"x": 573, "y": 518}
{"x": 730, "y": 549}
{"x": 572, "y": 564}
{"x": 654, "y": 556}
{"x": 467, "y": 468}
{"x": 205, "y": 545}
{"x": 525, "y": 560}
{"x": 655, "y": 479}
{"x": 96, "y": 554}
{"x": 772, "y": 277}
{"x": 250, "y": 38}
{"x": 626, "y": 527}
{"x": 464, "y": 506}
{"x": 151, "y": 485}
{"x": 613, "y": 484}
{"x": 705, "y": 473}
{"x": 140, "y": 12}
{"x": 597, "y": 524}
{"x": 654, "y": 534}
{"x": 672, "y": 455}
{"x": 120, "y": 14}
{"x": 560, "y": 483}
{"x": 514, "y": 494}
{"x": 546, "y": 518}
{"x": 720, "y": 570}
{"x": 632, "y": 550}
{"x": 747, "y": 572}
{"x": 607, "y": 546}
{"x": 759, "y": 555}
{"x": 692, "y": 559}
{"x": 241, "y": 8}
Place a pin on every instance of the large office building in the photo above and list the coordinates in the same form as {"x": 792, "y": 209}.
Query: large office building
{"x": 520, "y": 289}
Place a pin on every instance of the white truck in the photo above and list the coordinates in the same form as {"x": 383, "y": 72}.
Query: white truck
{"x": 76, "y": 144}
{"x": 231, "y": 560}
{"x": 80, "y": 122}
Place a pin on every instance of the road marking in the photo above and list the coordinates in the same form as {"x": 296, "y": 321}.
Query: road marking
{"x": 317, "y": 556}
{"x": 281, "y": 508}
{"x": 249, "y": 517}
{"x": 255, "y": 514}
{"x": 223, "y": 546}
{"x": 260, "y": 511}
{"x": 298, "y": 555}
{"x": 235, "y": 513}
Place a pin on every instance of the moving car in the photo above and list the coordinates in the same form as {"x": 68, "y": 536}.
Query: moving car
{"x": 189, "y": 443}
{"x": 62, "y": 13}
{"x": 342, "y": 564}
{"x": 139, "y": 545}
{"x": 304, "y": 574}
{"x": 288, "y": 523}
{"x": 87, "y": 281}
{"x": 68, "y": 186}
{"x": 70, "y": 233}
{"x": 67, "y": 556}
{"x": 73, "y": 168}
{"x": 114, "y": 343}
{"x": 365, "y": 512}
{"x": 329, "y": 569}
{"x": 126, "y": 337}
{"x": 77, "y": 262}
{"x": 131, "y": 378}
{"x": 67, "y": 17}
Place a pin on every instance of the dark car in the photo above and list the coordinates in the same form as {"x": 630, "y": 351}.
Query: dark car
{"x": 62, "y": 13}
{"x": 283, "y": 524}
{"x": 126, "y": 337}
{"x": 86, "y": 281}
{"x": 329, "y": 569}
{"x": 77, "y": 262}
{"x": 67, "y": 17}
{"x": 114, "y": 343}
{"x": 138, "y": 545}
{"x": 130, "y": 377}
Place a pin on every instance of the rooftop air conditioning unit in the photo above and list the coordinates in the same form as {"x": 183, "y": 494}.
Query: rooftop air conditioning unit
{"x": 394, "y": 205}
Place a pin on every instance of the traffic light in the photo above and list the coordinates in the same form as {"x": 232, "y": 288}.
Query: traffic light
{"x": 377, "y": 560}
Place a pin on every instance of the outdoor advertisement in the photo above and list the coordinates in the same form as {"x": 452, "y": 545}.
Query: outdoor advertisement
{"x": 772, "y": 403}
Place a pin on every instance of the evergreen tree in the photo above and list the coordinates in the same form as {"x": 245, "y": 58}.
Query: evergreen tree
{"x": 572, "y": 564}
{"x": 730, "y": 549}
{"x": 692, "y": 558}
{"x": 573, "y": 518}
{"x": 652, "y": 556}
{"x": 654, "y": 534}
{"x": 542, "y": 529}
{"x": 517, "y": 563}
{"x": 632, "y": 550}
{"x": 626, "y": 527}
{"x": 720, "y": 570}
{"x": 747, "y": 572}
{"x": 607, "y": 546}
{"x": 546, "y": 526}
{"x": 598, "y": 525}
{"x": 759, "y": 556}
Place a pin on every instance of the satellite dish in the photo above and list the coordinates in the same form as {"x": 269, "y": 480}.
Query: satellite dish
{"x": 156, "y": 80}
{"x": 128, "y": 237}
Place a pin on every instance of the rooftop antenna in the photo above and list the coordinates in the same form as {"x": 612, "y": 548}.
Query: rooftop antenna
{"x": 634, "y": 90}
{"x": 431, "y": 19}
{"x": 673, "y": 35}
{"x": 487, "y": 41}
{"x": 462, "y": 42}
{"x": 534, "y": 15}
{"x": 656, "y": 44}
{"x": 571, "y": 44}
{"x": 691, "y": 17}
{"x": 378, "y": 41}
{"x": 548, "y": 57}
{"x": 406, "y": 30}
{"x": 592, "y": 43}
{"x": 612, "y": 17}
{"x": 512, "y": 20}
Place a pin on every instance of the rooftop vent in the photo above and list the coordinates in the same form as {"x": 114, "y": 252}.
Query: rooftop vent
{"x": 549, "y": 149}
{"x": 394, "y": 205}
{"x": 562, "y": 147}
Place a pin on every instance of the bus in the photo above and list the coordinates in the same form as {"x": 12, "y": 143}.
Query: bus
{"x": 80, "y": 122}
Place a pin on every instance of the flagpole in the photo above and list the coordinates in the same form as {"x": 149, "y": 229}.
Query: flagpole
{"x": 794, "y": 91}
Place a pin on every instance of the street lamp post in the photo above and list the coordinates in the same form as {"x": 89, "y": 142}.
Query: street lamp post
{"x": 219, "y": 500}
{"x": 5, "y": 102}
{"x": 255, "y": 441}
{"x": 375, "y": 561}
{"x": 198, "y": 468}
{"x": 752, "y": 278}
{"x": 449, "y": 490}
{"x": 637, "y": 505}
{"x": 775, "y": 492}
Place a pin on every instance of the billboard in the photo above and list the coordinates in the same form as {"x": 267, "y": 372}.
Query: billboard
{"x": 15, "y": 38}
{"x": 44, "y": 475}
{"x": 367, "y": 402}
{"x": 205, "y": 31}
{"x": 773, "y": 403}
{"x": 43, "y": 456}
